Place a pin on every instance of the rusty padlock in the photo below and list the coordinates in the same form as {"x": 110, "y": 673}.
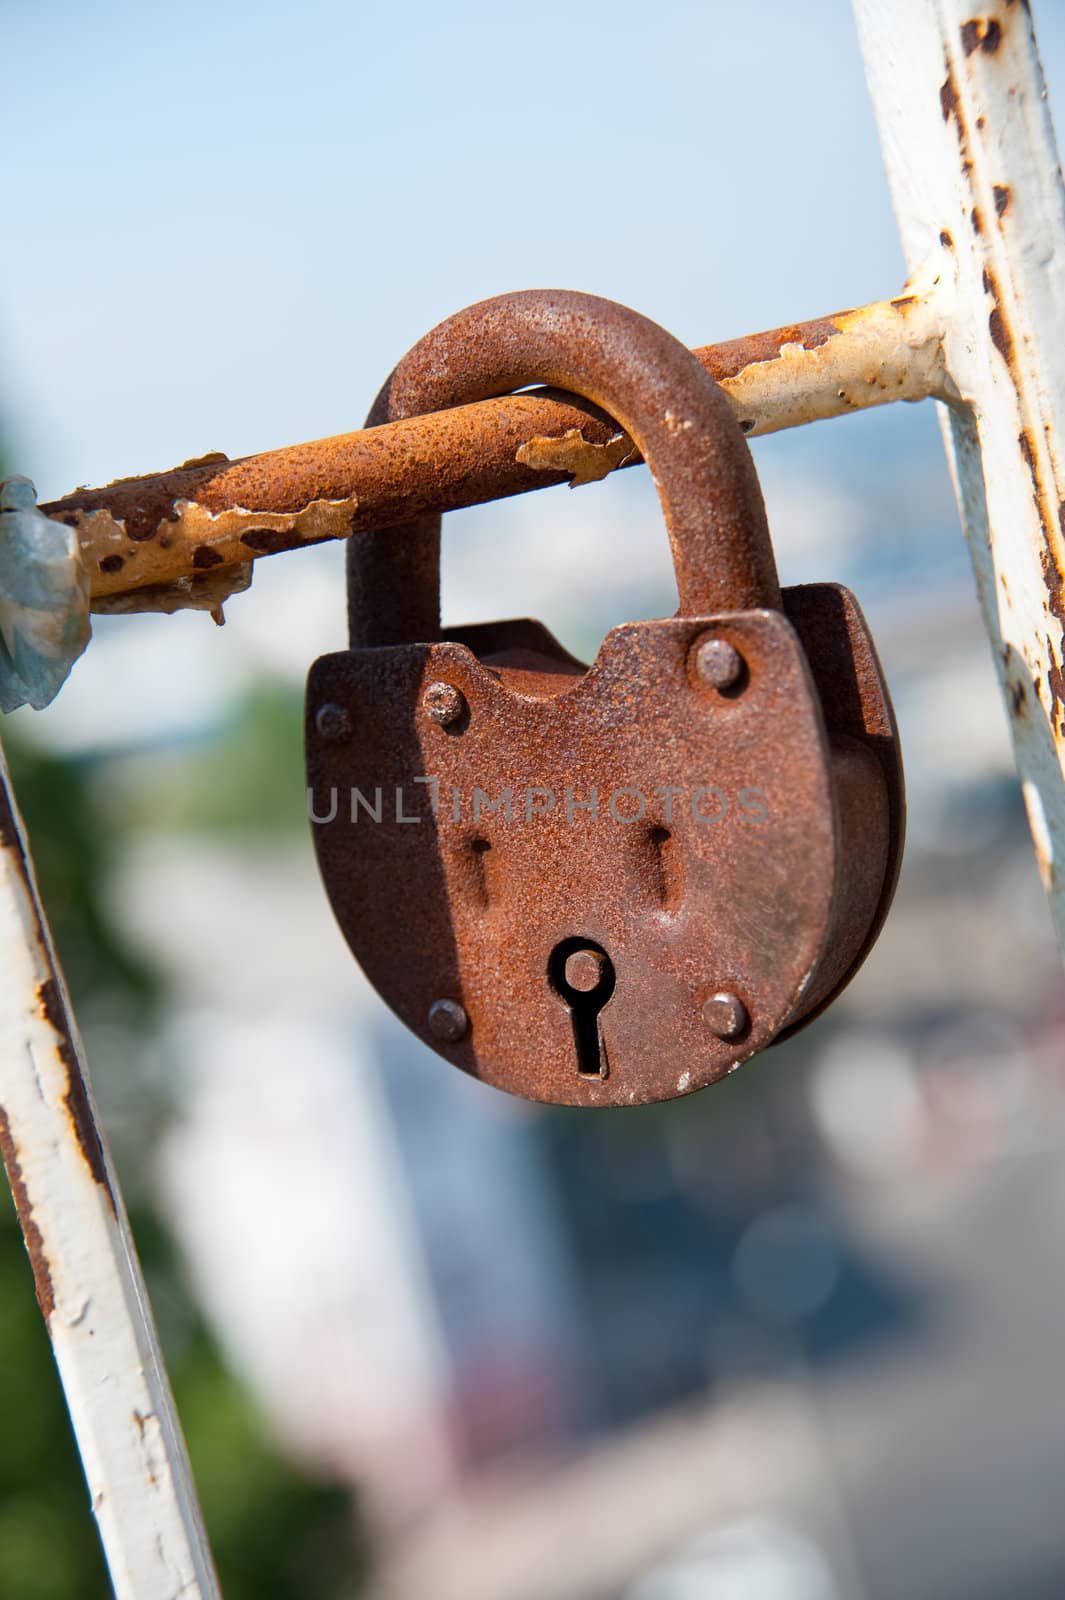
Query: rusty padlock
{"x": 604, "y": 885}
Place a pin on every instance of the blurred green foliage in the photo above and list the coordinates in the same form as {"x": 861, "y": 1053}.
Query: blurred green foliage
{"x": 246, "y": 778}
{"x": 273, "y": 1531}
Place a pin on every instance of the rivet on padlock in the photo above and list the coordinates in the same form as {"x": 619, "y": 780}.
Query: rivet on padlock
{"x": 604, "y": 885}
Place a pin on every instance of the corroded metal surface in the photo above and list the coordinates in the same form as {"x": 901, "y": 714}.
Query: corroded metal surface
{"x": 573, "y": 864}
{"x": 211, "y": 517}
{"x": 88, "y": 1280}
{"x": 640, "y": 376}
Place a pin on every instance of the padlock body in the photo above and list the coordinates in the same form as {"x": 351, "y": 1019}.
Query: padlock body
{"x": 692, "y": 835}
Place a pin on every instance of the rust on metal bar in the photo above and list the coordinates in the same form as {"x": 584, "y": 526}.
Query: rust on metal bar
{"x": 162, "y": 536}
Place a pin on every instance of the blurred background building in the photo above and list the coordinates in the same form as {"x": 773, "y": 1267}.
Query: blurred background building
{"x": 794, "y": 1339}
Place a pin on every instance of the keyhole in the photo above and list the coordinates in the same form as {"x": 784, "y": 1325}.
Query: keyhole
{"x": 583, "y": 976}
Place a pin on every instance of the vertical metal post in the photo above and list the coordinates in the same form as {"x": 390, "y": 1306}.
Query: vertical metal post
{"x": 88, "y": 1278}
{"x": 973, "y": 167}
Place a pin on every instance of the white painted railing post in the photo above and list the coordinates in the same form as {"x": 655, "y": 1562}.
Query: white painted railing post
{"x": 973, "y": 166}
{"x": 89, "y": 1282}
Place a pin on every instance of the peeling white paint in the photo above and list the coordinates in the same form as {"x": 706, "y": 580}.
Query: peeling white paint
{"x": 207, "y": 540}
{"x": 586, "y": 461}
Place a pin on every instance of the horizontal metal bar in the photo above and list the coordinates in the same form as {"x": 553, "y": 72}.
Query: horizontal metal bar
{"x": 156, "y": 541}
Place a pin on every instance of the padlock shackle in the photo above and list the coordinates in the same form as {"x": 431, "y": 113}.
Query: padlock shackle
{"x": 653, "y": 387}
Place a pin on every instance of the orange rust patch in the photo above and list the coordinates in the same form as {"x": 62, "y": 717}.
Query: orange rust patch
{"x": 31, "y": 1233}
{"x": 729, "y": 359}
{"x": 977, "y": 220}
{"x": 946, "y": 239}
{"x": 76, "y": 1098}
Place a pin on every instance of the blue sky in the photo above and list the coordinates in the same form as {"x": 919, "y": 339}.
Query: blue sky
{"x": 225, "y": 224}
{"x": 232, "y": 220}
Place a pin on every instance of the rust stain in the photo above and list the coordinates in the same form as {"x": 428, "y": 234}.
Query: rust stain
{"x": 1055, "y": 590}
{"x": 1002, "y": 199}
{"x": 734, "y": 356}
{"x": 31, "y": 1233}
{"x": 1001, "y": 336}
{"x": 76, "y": 1098}
{"x": 1056, "y": 689}
{"x": 1055, "y": 585}
{"x": 948, "y": 96}
{"x": 977, "y": 220}
{"x": 269, "y": 541}
{"x": 946, "y": 239}
{"x": 981, "y": 33}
